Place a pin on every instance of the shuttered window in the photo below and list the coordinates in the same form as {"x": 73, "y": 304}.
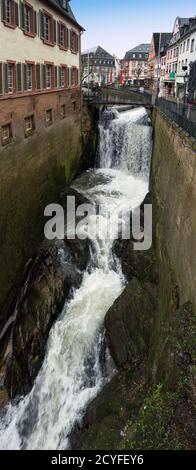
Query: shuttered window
{"x": 56, "y": 76}
{"x": 62, "y": 36}
{"x": 48, "y": 72}
{"x": 28, "y": 19}
{"x": 10, "y": 78}
{"x": 74, "y": 76}
{"x": 38, "y": 77}
{"x": 9, "y": 13}
{"x": 47, "y": 28}
{"x": 74, "y": 42}
{"x": 19, "y": 77}
{"x": 63, "y": 76}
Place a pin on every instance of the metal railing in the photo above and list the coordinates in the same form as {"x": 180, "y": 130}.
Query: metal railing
{"x": 112, "y": 96}
{"x": 181, "y": 113}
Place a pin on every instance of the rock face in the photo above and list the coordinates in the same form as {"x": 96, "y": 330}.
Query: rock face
{"x": 140, "y": 264}
{"x": 129, "y": 323}
{"x": 52, "y": 276}
{"x": 107, "y": 415}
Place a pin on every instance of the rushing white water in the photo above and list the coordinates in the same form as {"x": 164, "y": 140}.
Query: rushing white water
{"x": 73, "y": 370}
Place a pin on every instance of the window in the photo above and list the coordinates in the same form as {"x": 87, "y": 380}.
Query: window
{"x": 10, "y": 78}
{"x": 62, "y": 36}
{"x": 188, "y": 44}
{"x": 49, "y": 117}
{"x": 74, "y": 42}
{"x": 9, "y": 11}
{"x": 29, "y": 77}
{"x": 63, "y": 74}
{"x": 47, "y": 28}
{"x": 74, "y": 105}
{"x": 63, "y": 111}
{"x": 192, "y": 45}
{"x": 184, "y": 44}
{"x": 74, "y": 76}
{"x": 48, "y": 76}
{"x": 6, "y": 134}
{"x": 28, "y": 19}
{"x": 29, "y": 125}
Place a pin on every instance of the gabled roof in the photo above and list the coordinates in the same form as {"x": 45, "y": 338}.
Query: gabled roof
{"x": 183, "y": 21}
{"x": 163, "y": 41}
{"x": 67, "y": 12}
{"x": 98, "y": 52}
{"x": 141, "y": 49}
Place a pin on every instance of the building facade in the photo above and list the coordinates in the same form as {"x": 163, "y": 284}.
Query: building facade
{"x": 98, "y": 66}
{"x": 168, "y": 82}
{"x": 134, "y": 64}
{"x": 186, "y": 57}
{"x": 39, "y": 61}
{"x": 158, "y": 45}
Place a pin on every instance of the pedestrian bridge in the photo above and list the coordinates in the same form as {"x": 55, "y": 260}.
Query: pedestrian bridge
{"x": 112, "y": 96}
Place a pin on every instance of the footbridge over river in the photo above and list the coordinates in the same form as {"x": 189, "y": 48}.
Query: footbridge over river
{"x": 112, "y": 96}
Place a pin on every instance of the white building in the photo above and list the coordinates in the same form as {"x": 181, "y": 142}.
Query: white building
{"x": 39, "y": 46}
{"x": 186, "y": 55}
{"x": 99, "y": 66}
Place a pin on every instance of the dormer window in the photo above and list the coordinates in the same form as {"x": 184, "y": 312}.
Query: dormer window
{"x": 64, "y": 4}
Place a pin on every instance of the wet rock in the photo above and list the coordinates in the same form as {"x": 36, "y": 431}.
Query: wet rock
{"x": 140, "y": 264}
{"x": 107, "y": 414}
{"x": 48, "y": 285}
{"x": 80, "y": 249}
{"x": 129, "y": 322}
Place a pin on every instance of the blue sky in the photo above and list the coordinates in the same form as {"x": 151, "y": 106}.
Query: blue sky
{"x": 119, "y": 25}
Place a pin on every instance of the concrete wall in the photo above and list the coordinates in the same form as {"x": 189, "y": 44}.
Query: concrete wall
{"x": 174, "y": 192}
{"x": 32, "y": 173}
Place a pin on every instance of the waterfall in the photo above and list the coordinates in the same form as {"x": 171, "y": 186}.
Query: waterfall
{"x": 73, "y": 371}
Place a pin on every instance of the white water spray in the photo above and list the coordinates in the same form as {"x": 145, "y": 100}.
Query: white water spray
{"x": 73, "y": 372}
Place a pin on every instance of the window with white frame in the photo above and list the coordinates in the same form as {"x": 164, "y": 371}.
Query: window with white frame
{"x": 29, "y": 124}
{"x": 48, "y": 76}
{"x": 47, "y": 20}
{"x": 27, "y": 18}
{"x": 63, "y": 76}
{"x": 8, "y": 11}
{"x": 29, "y": 77}
{"x": 192, "y": 45}
{"x": 10, "y": 78}
{"x": 6, "y": 134}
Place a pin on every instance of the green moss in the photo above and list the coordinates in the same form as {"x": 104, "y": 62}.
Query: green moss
{"x": 154, "y": 428}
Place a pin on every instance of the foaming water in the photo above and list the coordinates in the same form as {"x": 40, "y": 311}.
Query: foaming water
{"x": 74, "y": 369}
